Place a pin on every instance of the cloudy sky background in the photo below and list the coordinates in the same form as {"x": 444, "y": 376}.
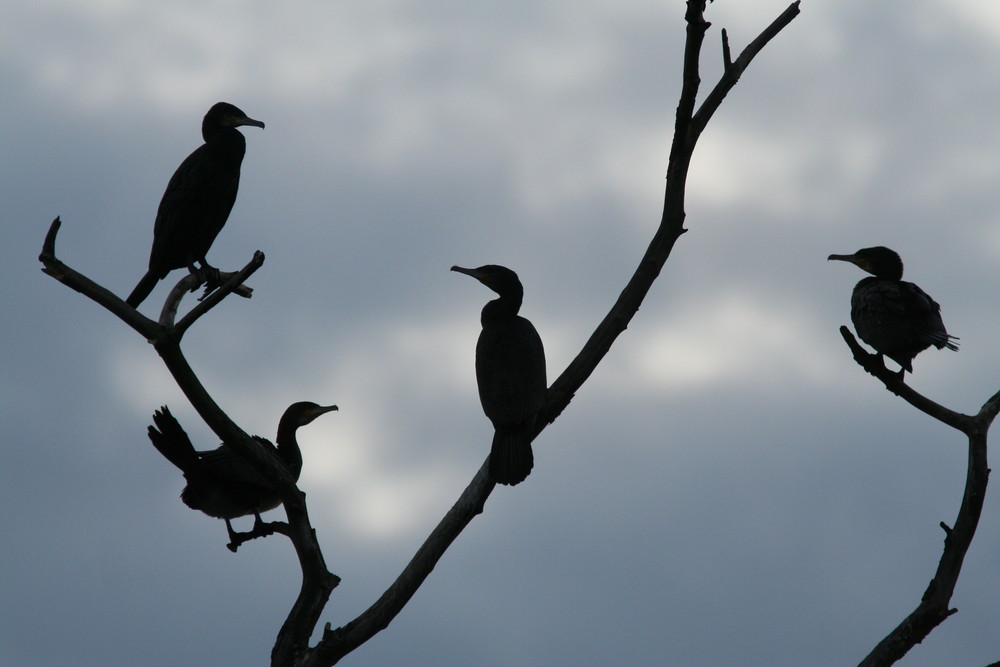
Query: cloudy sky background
{"x": 728, "y": 488}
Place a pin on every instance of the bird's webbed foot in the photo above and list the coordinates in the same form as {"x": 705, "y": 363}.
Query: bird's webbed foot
{"x": 875, "y": 363}
{"x": 234, "y": 538}
{"x": 898, "y": 374}
{"x": 207, "y": 275}
{"x": 260, "y": 529}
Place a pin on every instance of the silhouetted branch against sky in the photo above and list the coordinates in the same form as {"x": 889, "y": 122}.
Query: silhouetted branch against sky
{"x": 291, "y": 646}
{"x": 934, "y": 603}
{"x": 338, "y": 643}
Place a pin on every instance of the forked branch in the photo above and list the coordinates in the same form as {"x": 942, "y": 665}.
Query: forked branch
{"x": 934, "y": 604}
{"x": 165, "y": 337}
{"x": 335, "y": 644}
{"x": 687, "y": 130}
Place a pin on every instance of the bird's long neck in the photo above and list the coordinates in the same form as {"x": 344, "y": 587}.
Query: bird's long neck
{"x": 889, "y": 267}
{"x": 288, "y": 446}
{"x": 228, "y": 137}
{"x": 504, "y": 308}
{"x": 893, "y": 275}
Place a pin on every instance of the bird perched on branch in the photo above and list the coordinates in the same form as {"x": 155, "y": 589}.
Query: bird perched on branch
{"x": 197, "y": 201}
{"x": 222, "y": 483}
{"x": 510, "y": 370}
{"x": 895, "y": 317}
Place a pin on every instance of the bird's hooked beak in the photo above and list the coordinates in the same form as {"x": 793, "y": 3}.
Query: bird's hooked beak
{"x": 860, "y": 262}
{"x": 475, "y": 273}
{"x": 237, "y": 121}
{"x": 319, "y": 410}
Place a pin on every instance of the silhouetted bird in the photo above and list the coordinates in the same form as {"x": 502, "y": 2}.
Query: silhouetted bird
{"x": 220, "y": 482}
{"x": 895, "y": 317}
{"x": 510, "y": 370}
{"x": 197, "y": 201}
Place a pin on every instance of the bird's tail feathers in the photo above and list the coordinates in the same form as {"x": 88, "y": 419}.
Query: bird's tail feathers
{"x": 171, "y": 441}
{"x": 142, "y": 290}
{"x": 511, "y": 458}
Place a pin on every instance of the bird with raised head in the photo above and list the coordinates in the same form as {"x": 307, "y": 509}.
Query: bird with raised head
{"x": 222, "y": 483}
{"x": 895, "y": 317}
{"x": 510, "y": 372}
{"x": 197, "y": 201}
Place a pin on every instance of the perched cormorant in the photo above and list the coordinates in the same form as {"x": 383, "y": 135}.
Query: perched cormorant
{"x": 197, "y": 201}
{"x": 220, "y": 482}
{"x": 895, "y": 317}
{"x": 510, "y": 370}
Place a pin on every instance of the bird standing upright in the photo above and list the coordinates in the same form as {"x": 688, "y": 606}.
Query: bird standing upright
{"x": 197, "y": 201}
{"x": 895, "y": 317}
{"x": 222, "y": 483}
{"x": 510, "y": 371}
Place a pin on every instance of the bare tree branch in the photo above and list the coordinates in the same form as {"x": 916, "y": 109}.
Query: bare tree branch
{"x": 87, "y": 287}
{"x": 291, "y": 647}
{"x": 317, "y": 581}
{"x": 337, "y": 643}
{"x": 893, "y": 381}
{"x": 260, "y": 529}
{"x": 733, "y": 71}
{"x": 231, "y": 283}
{"x": 934, "y": 604}
{"x": 687, "y": 130}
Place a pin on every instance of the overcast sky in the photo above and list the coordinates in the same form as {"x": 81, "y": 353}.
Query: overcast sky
{"x": 728, "y": 488}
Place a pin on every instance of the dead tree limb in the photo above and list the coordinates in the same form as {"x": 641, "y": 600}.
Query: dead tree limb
{"x": 934, "y": 604}
{"x": 165, "y": 336}
{"x": 688, "y": 127}
{"x": 291, "y": 647}
{"x": 335, "y": 644}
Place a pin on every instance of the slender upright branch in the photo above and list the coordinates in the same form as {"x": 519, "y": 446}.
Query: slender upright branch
{"x": 934, "y": 604}
{"x": 735, "y": 70}
{"x": 727, "y": 55}
{"x": 337, "y": 643}
{"x": 687, "y": 129}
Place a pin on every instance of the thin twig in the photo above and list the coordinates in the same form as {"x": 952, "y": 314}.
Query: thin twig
{"x": 687, "y": 129}
{"x": 233, "y": 282}
{"x": 88, "y": 288}
{"x": 732, "y": 74}
{"x": 727, "y": 56}
{"x": 260, "y": 529}
{"x": 230, "y": 282}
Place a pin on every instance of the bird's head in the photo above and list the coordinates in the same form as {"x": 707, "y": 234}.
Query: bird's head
{"x": 878, "y": 261}
{"x": 304, "y": 412}
{"x": 223, "y": 114}
{"x": 500, "y": 279}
